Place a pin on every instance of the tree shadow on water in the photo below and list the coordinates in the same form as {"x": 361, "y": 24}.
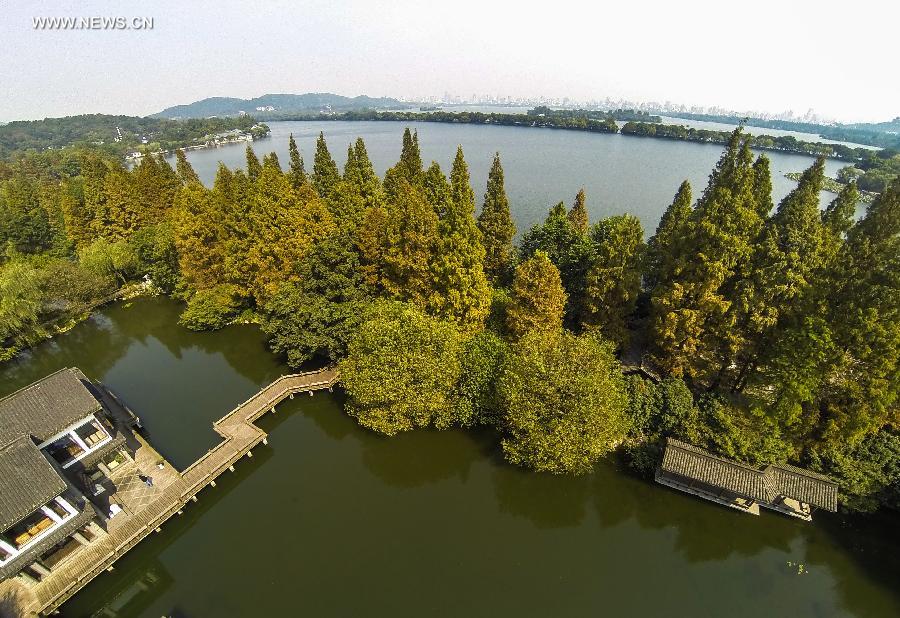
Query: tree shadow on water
{"x": 422, "y": 457}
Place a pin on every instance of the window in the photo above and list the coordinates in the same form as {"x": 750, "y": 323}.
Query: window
{"x": 65, "y": 450}
{"x": 27, "y": 529}
{"x": 92, "y": 433}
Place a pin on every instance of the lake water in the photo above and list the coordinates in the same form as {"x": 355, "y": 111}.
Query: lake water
{"x": 620, "y": 173}
{"x": 332, "y": 520}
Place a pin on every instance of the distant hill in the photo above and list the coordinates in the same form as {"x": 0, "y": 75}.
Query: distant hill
{"x": 271, "y": 106}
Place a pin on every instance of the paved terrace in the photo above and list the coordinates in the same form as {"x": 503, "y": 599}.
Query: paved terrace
{"x": 240, "y": 437}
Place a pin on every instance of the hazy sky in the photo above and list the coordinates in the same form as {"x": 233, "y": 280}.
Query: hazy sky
{"x": 840, "y": 59}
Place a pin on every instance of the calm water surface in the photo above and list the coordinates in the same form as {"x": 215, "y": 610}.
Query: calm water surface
{"x": 331, "y": 520}
{"x": 620, "y": 173}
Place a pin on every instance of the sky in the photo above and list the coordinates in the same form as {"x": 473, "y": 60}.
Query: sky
{"x": 838, "y": 59}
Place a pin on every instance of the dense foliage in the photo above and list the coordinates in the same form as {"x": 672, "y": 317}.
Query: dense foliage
{"x": 764, "y": 333}
{"x": 784, "y": 143}
{"x": 119, "y": 135}
{"x": 880, "y": 134}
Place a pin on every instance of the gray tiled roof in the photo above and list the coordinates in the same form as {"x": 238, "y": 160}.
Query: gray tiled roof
{"x": 46, "y": 407}
{"x": 27, "y": 481}
{"x": 804, "y": 485}
{"x": 765, "y": 485}
{"x": 695, "y": 463}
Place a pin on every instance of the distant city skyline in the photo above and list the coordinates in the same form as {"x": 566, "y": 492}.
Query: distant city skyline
{"x": 774, "y": 57}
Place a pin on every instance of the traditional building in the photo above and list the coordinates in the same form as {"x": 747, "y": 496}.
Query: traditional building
{"x": 780, "y": 487}
{"x": 58, "y": 442}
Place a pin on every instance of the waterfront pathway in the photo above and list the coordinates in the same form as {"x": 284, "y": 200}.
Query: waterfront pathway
{"x": 240, "y": 437}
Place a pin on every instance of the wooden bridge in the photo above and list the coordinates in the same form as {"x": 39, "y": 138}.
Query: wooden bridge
{"x": 240, "y": 437}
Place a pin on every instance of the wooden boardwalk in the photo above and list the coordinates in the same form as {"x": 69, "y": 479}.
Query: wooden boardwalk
{"x": 240, "y": 437}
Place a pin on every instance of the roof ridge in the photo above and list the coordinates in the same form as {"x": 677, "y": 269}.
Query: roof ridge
{"x": 704, "y": 453}
{"x": 801, "y": 472}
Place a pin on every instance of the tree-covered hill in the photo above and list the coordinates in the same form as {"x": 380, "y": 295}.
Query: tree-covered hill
{"x": 279, "y": 103}
{"x": 119, "y": 135}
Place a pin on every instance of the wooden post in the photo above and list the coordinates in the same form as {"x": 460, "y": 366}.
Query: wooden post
{"x": 310, "y": 393}
{"x": 194, "y": 498}
{"x": 158, "y": 530}
{"x": 110, "y": 569}
{"x": 231, "y": 468}
{"x": 180, "y": 512}
{"x": 266, "y": 441}
{"x": 249, "y": 453}
{"x": 212, "y": 483}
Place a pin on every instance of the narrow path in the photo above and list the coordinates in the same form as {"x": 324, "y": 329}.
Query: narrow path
{"x": 240, "y": 437}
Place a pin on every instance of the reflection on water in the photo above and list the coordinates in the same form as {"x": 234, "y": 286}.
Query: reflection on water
{"x": 331, "y": 520}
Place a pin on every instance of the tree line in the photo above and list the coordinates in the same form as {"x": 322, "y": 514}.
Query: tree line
{"x": 117, "y": 135}
{"x": 765, "y": 333}
{"x": 781, "y": 143}
{"x": 881, "y": 134}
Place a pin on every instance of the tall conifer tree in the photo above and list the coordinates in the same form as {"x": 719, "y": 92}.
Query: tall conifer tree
{"x": 461, "y": 290}
{"x": 578, "y": 215}
{"x": 664, "y": 247}
{"x": 325, "y": 176}
{"x": 184, "y": 169}
{"x": 297, "y": 170}
{"x": 537, "y": 299}
{"x": 497, "y": 227}
{"x": 254, "y": 167}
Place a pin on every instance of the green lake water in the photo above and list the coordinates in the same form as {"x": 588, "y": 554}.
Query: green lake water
{"x": 332, "y": 520}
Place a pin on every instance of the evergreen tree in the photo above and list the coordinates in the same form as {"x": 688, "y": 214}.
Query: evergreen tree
{"x": 838, "y": 216}
{"x": 271, "y": 161}
{"x": 254, "y": 167}
{"x": 614, "y": 279}
{"x": 690, "y": 320}
{"x": 497, "y": 227}
{"x": 24, "y": 223}
{"x": 199, "y": 237}
{"x": 537, "y": 299}
{"x": 284, "y": 224}
{"x": 436, "y": 190}
{"x": 578, "y": 215}
{"x": 316, "y": 316}
{"x": 569, "y": 250}
{"x": 361, "y": 187}
{"x": 184, "y": 169}
{"x": 325, "y": 176}
{"x": 410, "y": 165}
{"x": 787, "y": 264}
{"x": 398, "y": 244}
{"x": 762, "y": 186}
{"x": 664, "y": 248}
{"x": 408, "y": 168}
{"x": 297, "y": 171}
{"x": 864, "y": 309}
{"x": 461, "y": 291}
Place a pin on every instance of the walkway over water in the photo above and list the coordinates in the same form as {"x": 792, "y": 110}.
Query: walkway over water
{"x": 240, "y": 437}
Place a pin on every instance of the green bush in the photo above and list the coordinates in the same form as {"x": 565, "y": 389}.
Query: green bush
{"x": 212, "y": 309}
